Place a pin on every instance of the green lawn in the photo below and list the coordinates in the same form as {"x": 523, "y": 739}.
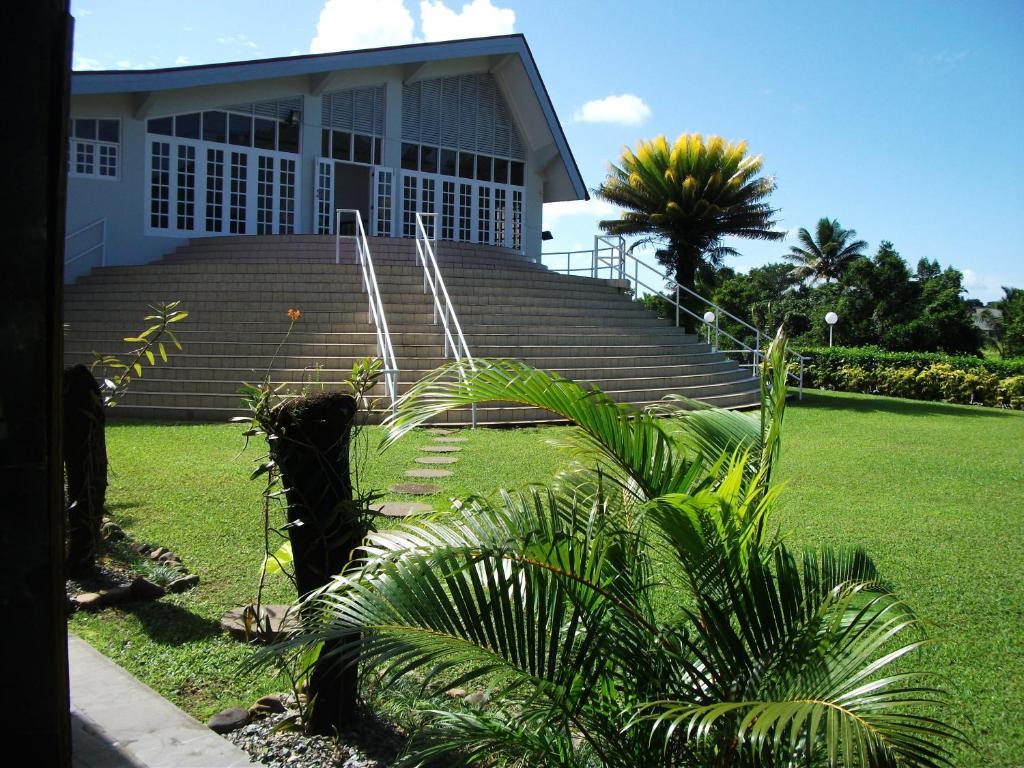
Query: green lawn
{"x": 934, "y": 492}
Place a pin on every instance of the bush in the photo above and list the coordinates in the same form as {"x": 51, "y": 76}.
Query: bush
{"x": 917, "y": 375}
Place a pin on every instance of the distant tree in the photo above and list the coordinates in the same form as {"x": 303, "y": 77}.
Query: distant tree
{"x": 1009, "y": 327}
{"x": 826, "y": 255}
{"x": 687, "y": 197}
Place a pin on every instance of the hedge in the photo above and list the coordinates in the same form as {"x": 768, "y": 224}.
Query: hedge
{"x": 916, "y": 375}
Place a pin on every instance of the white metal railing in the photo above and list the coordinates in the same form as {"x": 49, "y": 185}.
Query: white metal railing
{"x": 376, "y": 316}
{"x": 610, "y": 257}
{"x": 100, "y": 228}
{"x": 444, "y": 311}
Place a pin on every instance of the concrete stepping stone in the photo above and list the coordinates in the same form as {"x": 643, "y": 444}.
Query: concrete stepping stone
{"x": 415, "y": 489}
{"x": 440, "y": 431}
{"x": 436, "y": 459}
{"x": 428, "y": 473}
{"x": 451, "y": 439}
{"x": 401, "y": 508}
{"x": 440, "y": 448}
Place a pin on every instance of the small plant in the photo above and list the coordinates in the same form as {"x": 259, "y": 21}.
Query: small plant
{"x": 118, "y": 371}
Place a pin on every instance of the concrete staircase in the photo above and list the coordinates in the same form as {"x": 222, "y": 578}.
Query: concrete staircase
{"x": 237, "y": 291}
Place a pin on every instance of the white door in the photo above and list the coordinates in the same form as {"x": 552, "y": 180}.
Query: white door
{"x": 382, "y": 207}
{"x": 323, "y": 194}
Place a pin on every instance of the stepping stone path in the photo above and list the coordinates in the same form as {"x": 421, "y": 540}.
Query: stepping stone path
{"x": 401, "y": 508}
{"x": 415, "y": 489}
{"x": 428, "y": 473}
{"x": 443, "y": 440}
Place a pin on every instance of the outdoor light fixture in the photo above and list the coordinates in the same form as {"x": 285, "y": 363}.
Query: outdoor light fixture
{"x": 546, "y": 235}
{"x": 709, "y": 318}
{"x": 831, "y": 318}
{"x": 293, "y": 117}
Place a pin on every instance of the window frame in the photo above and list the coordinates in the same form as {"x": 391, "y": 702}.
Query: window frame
{"x": 96, "y": 144}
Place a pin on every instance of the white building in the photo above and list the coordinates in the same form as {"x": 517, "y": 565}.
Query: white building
{"x": 464, "y": 129}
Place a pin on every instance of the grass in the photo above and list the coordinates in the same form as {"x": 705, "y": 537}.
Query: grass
{"x": 934, "y": 492}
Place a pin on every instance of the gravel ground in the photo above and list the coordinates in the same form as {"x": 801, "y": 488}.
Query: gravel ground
{"x": 103, "y": 576}
{"x": 372, "y": 744}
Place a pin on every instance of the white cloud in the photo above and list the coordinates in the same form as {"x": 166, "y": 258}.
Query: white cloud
{"x": 346, "y": 25}
{"x": 83, "y": 63}
{"x": 182, "y": 61}
{"x": 123, "y": 63}
{"x": 594, "y": 208}
{"x": 624, "y": 109}
{"x": 476, "y": 19}
{"x": 239, "y": 39}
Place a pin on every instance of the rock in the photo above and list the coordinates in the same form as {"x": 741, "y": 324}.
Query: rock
{"x": 112, "y": 531}
{"x": 233, "y": 622}
{"x": 272, "y": 704}
{"x": 456, "y": 693}
{"x": 477, "y": 698}
{"x": 115, "y": 595}
{"x": 228, "y": 720}
{"x": 157, "y": 553}
{"x": 170, "y": 558}
{"x": 144, "y": 589}
{"x": 142, "y": 549}
{"x": 88, "y": 600}
{"x": 184, "y": 584}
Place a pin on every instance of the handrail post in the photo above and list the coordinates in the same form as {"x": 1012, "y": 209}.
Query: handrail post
{"x": 801, "y": 395}
{"x": 103, "y": 242}
{"x": 593, "y": 261}
{"x": 677, "y": 306}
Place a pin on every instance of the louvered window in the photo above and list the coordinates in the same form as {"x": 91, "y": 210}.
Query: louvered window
{"x": 466, "y": 112}
{"x": 353, "y": 125}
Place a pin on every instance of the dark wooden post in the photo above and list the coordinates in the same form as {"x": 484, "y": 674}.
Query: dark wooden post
{"x": 85, "y": 460}
{"x": 31, "y": 497}
{"x": 311, "y": 449}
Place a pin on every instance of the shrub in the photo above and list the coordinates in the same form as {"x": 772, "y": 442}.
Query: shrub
{"x": 917, "y": 376}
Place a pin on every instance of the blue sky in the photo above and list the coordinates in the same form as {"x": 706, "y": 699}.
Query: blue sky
{"x": 901, "y": 119}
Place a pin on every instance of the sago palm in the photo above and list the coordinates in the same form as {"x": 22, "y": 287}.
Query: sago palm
{"x": 687, "y": 197}
{"x": 826, "y": 255}
{"x": 636, "y": 612}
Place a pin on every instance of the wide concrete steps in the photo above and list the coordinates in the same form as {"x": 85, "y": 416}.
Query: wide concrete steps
{"x": 237, "y": 291}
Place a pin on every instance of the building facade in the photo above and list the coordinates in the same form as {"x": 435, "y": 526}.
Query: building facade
{"x": 463, "y": 130}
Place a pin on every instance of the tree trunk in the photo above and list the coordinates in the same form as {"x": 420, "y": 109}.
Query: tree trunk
{"x": 686, "y": 275}
{"x": 85, "y": 461}
{"x": 311, "y": 450}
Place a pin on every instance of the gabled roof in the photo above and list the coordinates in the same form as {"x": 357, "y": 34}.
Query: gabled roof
{"x": 173, "y": 78}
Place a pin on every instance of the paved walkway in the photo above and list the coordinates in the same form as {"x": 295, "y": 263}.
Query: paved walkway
{"x": 117, "y": 722}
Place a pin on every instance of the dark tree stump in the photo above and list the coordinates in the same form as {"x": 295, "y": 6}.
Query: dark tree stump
{"x": 311, "y": 450}
{"x": 85, "y": 462}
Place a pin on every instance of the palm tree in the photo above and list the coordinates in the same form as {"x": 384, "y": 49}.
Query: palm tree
{"x": 636, "y": 612}
{"x": 686, "y": 198}
{"x": 828, "y": 255}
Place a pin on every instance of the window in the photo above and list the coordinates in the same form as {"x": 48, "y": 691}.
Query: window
{"x": 465, "y": 212}
{"x": 214, "y": 190}
{"x": 264, "y": 195}
{"x": 94, "y": 148}
{"x": 264, "y": 133}
{"x": 215, "y": 127}
{"x": 428, "y": 159}
{"x": 286, "y": 194}
{"x": 240, "y": 130}
{"x": 408, "y": 206}
{"x": 160, "y": 185}
{"x": 187, "y": 126}
{"x": 341, "y": 145}
{"x": 410, "y": 157}
{"x": 362, "y": 149}
{"x": 239, "y": 171}
{"x": 186, "y": 187}
{"x": 288, "y": 136}
{"x": 516, "y": 178}
{"x": 483, "y": 168}
{"x": 447, "y": 162}
{"x": 483, "y": 219}
{"x": 466, "y": 165}
{"x": 447, "y": 210}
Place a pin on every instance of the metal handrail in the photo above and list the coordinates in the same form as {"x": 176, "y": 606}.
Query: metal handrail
{"x": 101, "y": 246}
{"x": 444, "y": 310}
{"x": 376, "y": 315}
{"x": 615, "y": 261}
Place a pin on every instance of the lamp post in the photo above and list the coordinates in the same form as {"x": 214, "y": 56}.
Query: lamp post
{"x": 831, "y": 318}
{"x": 709, "y": 318}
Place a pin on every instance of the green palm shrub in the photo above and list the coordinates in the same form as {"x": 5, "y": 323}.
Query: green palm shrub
{"x": 639, "y": 610}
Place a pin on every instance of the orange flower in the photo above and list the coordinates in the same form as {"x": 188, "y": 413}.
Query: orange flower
{"x": 294, "y": 314}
